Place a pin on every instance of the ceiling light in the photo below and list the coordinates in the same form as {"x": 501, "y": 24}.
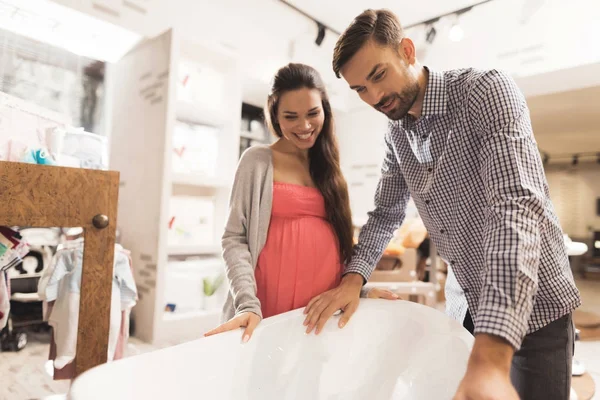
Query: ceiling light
{"x": 51, "y": 23}
{"x": 320, "y": 34}
{"x": 456, "y": 32}
{"x": 430, "y": 35}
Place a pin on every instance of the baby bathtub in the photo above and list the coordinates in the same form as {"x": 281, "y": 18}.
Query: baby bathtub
{"x": 389, "y": 350}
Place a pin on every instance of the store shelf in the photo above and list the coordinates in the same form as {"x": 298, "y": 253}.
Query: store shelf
{"x": 182, "y": 327}
{"x": 175, "y": 316}
{"x": 199, "y": 181}
{"x": 190, "y": 113}
{"x": 194, "y": 250}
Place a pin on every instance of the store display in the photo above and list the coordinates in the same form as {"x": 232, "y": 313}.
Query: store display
{"x": 191, "y": 221}
{"x": 195, "y": 285}
{"x": 80, "y": 149}
{"x": 195, "y": 150}
{"x": 200, "y": 85}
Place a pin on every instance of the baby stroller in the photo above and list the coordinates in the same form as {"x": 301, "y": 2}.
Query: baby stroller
{"x": 22, "y": 276}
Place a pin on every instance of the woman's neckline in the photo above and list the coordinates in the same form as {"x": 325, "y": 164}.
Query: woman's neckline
{"x": 280, "y": 183}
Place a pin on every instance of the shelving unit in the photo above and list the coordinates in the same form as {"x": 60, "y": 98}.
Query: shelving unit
{"x": 167, "y": 94}
{"x": 194, "y": 250}
{"x": 253, "y": 130}
{"x": 200, "y": 182}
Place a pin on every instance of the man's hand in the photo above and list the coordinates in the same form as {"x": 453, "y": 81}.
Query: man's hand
{"x": 345, "y": 297}
{"x": 378, "y": 293}
{"x": 488, "y": 373}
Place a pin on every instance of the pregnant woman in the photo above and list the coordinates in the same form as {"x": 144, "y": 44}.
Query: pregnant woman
{"x": 289, "y": 231}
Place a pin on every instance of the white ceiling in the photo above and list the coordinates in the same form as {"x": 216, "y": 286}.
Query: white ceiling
{"x": 266, "y": 34}
{"x": 338, "y": 14}
{"x": 567, "y": 122}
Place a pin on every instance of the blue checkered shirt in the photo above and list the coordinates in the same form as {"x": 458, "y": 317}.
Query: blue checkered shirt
{"x": 472, "y": 167}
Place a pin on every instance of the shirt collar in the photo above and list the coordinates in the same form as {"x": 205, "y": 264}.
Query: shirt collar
{"x": 436, "y": 98}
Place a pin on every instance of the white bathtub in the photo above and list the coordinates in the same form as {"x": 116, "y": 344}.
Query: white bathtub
{"x": 389, "y": 350}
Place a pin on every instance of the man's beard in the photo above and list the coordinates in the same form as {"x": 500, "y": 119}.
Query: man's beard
{"x": 404, "y": 100}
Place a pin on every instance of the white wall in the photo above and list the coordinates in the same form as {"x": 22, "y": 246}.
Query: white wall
{"x": 361, "y": 135}
{"x": 574, "y": 191}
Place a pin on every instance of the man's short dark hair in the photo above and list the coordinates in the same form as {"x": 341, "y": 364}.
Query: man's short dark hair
{"x": 383, "y": 26}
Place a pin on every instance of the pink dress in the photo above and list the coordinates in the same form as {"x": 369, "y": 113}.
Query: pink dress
{"x": 300, "y": 258}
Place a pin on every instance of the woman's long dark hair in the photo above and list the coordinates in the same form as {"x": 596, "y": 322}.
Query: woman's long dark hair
{"x": 324, "y": 156}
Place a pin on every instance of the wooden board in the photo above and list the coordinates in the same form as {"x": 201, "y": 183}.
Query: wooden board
{"x": 47, "y": 196}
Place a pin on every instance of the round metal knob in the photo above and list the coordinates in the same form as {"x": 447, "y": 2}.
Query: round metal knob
{"x": 100, "y": 221}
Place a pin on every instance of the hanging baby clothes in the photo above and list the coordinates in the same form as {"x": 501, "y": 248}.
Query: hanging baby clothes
{"x": 4, "y": 299}
{"x": 60, "y": 288}
{"x": 12, "y": 250}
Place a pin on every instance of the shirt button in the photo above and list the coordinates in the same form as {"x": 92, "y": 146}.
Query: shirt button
{"x": 453, "y": 263}
{"x": 427, "y": 201}
{"x": 424, "y": 137}
{"x": 442, "y": 231}
{"x": 429, "y": 169}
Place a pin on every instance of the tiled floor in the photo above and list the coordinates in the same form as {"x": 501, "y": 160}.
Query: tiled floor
{"x": 24, "y": 377}
{"x": 28, "y": 380}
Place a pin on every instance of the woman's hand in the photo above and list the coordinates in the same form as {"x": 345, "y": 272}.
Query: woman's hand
{"x": 247, "y": 320}
{"x": 377, "y": 293}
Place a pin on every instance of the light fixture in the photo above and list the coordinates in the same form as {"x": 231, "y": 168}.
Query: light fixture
{"x": 320, "y": 34}
{"x": 597, "y": 244}
{"x": 456, "y": 32}
{"x": 54, "y": 24}
{"x": 430, "y": 35}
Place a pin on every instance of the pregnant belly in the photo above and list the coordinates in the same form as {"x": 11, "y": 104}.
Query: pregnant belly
{"x": 299, "y": 261}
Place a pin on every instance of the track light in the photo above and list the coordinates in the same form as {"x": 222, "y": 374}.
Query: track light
{"x": 430, "y": 35}
{"x": 456, "y": 33}
{"x": 321, "y": 34}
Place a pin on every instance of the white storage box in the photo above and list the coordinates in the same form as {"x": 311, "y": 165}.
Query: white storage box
{"x": 195, "y": 150}
{"x": 191, "y": 221}
{"x": 200, "y": 85}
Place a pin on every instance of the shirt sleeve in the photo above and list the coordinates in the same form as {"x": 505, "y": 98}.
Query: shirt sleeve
{"x": 515, "y": 191}
{"x": 391, "y": 198}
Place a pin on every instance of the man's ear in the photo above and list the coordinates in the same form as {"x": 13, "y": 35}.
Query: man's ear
{"x": 407, "y": 50}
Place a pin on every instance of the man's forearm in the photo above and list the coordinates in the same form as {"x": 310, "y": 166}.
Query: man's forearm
{"x": 492, "y": 350}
